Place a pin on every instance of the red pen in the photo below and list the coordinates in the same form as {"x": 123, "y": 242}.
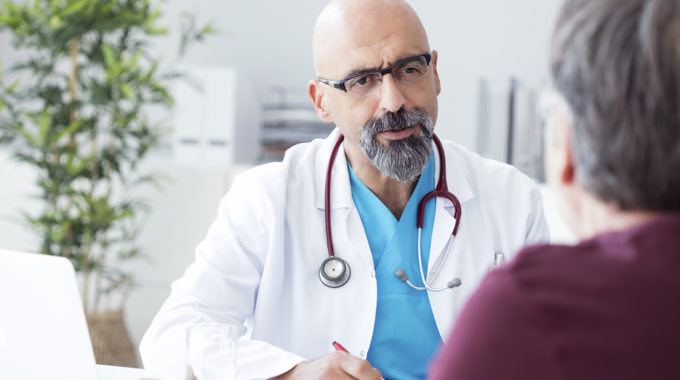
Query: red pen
{"x": 339, "y": 347}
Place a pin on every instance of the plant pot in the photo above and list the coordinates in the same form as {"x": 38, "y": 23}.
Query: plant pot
{"x": 110, "y": 339}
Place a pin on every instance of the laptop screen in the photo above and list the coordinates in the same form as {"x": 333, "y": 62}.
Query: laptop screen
{"x": 43, "y": 333}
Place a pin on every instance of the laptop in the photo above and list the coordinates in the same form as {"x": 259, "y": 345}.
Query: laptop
{"x": 43, "y": 332}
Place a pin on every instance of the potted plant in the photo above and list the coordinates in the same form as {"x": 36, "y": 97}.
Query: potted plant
{"x": 78, "y": 115}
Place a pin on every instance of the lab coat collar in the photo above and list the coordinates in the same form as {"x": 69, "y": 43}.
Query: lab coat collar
{"x": 341, "y": 194}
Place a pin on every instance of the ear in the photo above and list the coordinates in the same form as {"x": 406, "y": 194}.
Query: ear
{"x": 569, "y": 193}
{"x": 567, "y": 171}
{"x": 317, "y": 94}
{"x": 436, "y": 74}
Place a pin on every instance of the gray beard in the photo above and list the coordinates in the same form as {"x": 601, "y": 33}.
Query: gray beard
{"x": 405, "y": 159}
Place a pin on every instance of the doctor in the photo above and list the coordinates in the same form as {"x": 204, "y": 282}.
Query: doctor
{"x": 318, "y": 248}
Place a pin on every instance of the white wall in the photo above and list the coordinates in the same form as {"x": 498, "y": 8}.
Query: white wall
{"x": 484, "y": 38}
{"x": 269, "y": 42}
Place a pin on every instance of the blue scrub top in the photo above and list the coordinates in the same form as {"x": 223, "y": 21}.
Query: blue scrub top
{"x": 405, "y": 336}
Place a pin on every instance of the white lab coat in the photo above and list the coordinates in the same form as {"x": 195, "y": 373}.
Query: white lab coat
{"x": 258, "y": 265}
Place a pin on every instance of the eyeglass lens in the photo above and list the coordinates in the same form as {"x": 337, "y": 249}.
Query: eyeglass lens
{"x": 404, "y": 72}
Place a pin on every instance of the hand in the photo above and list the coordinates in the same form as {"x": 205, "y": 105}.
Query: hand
{"x": 336, "y": 366}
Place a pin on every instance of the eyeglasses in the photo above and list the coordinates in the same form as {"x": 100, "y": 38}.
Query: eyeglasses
{"x": 404, "y": 71}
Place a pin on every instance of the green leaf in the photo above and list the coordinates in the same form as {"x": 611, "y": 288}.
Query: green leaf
{"x": 43, "y": 122}
{"x": 109, "y": 57}
{"x": 126, "y": 90}
{"x": 55, "y": 22}
{"x": 13, "y": 86}
{"x": 75, "y": 169}
{"x": 157, "y": 31}
{"x": 73, "y": 8}
{"x": 81, "y": 162}
{"x": 69, "y": 130}
{"x": 156, "y": 180}
{"x": 129, "y": 253}
{"x": 208, "y": 29}
{"x": 54, "y": 5}
{"x": 30, "y": 139}
{"x": 134, "y": 60}
{"x": 62, "y": 231}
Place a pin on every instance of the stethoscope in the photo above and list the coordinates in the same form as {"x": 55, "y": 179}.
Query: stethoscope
{"x": 335, "y": 272}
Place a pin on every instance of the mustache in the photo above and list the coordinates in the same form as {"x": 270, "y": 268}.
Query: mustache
{"x": 394, "y": 121}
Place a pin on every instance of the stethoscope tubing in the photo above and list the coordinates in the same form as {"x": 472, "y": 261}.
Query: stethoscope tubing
{"x": 327, "y": 198}
{"x": 441, "y": 190}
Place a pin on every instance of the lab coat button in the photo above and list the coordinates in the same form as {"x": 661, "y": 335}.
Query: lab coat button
{"x": 372, "y": 274}
{"x": 362, "y": 354}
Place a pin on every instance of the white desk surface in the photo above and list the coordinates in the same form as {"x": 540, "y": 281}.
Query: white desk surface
{"x": 107, "y": 372}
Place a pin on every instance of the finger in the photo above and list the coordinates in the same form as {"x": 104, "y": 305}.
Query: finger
{"x": 359, "y": 368}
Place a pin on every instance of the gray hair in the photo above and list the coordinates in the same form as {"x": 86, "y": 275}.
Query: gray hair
{"x": 617, "y": 64}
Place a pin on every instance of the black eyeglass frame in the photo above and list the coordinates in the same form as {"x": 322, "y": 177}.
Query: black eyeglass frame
{"x": 340, "y": 85}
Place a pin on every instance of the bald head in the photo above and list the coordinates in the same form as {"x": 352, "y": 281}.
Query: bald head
{"x": 348, "y": 29}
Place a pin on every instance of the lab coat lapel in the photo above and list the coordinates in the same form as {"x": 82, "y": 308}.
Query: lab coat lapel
{"x": 441, "y": 232}
{"x": 356, "y": 235}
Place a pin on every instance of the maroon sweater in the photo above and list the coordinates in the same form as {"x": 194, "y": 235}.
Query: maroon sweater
{"x": 607, "y": 308}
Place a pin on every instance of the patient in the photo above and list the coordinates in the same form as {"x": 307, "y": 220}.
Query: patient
{"x": 609, "y": 307}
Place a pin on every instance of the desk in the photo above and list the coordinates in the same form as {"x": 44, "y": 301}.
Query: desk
{"x": 107, "y": 372}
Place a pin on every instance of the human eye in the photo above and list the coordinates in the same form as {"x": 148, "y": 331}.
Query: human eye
{"x": 362, "y": 82}
{"x": 411, "y": 70}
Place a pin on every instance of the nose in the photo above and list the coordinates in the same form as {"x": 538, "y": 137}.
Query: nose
{"x": 391, "y": 98}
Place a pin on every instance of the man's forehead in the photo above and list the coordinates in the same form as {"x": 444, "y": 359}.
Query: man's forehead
{"x": 358, "y": 61}
{"x": 362, "y": 36}
{"x": 363, "y": 61}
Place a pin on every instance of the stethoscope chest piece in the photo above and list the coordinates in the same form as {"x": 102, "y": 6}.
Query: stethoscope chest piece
{"x": 334, "y": 272}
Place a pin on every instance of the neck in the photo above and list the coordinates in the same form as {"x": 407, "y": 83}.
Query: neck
{"x": 392, "y": 193}
{"x": 594, "y": 217}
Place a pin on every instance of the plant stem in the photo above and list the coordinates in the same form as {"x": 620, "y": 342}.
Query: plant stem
{"x": 87, "y": 251}
{"x": 99, "y": 273}
{"x": 72, "y": 84}
{"x": 74, "y": 50}
{"x": 73, "y": 77}
{"x": 108, "y": 174}
{"x": 86, "y": 272}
